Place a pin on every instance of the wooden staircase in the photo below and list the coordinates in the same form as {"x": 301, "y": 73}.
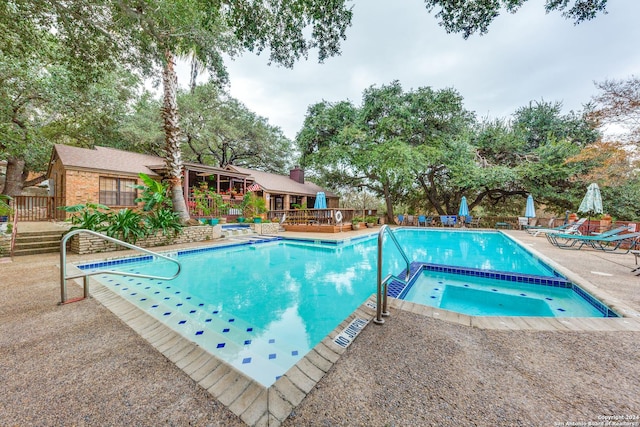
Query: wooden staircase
{"x": 37, "y": 242}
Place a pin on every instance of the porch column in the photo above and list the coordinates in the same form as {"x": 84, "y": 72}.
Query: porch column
{"x": 304, "y": 201}
{"x": 286, "y": 202}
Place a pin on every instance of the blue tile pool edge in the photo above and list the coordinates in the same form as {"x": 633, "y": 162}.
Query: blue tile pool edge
{"x": 397, "y": 289}
{"x": 84, "y": 265}
{"x": 138, "y": 258}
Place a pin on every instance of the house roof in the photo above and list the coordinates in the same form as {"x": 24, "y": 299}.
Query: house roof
{"x": 106, "y": 159}
{"x": 275, "y": 183}
{"x": 112, "y": 160}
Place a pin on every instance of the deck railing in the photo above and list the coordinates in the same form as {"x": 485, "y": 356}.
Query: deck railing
{"x": 37, "y": 208}
{"x": 311, "y": 216}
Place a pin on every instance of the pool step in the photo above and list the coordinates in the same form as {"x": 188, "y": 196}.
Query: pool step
{"x": 230, "y": 338}
{"x": 228, "y": 232}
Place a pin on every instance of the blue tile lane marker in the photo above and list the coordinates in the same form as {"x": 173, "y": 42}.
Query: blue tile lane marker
{"x": 272, "y": 356}
{"x": 220, "y": 345}
{"x": 246, "y": 360}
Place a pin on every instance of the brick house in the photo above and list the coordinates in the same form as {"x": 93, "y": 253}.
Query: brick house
{"x": 106, "y": 175}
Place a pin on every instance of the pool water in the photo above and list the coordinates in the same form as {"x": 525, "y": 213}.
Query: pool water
{"x": 261, "y": 307}
{"x": 493, "y": 297}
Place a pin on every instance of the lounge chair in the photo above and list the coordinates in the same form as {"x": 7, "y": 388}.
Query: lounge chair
{"x": 400, "y": 219}
{"x": 422, "y": 220}
{"x": 572, "y": 241}
{"x": 606, "y": 244}
{"x": 410, "y": 220}
{"x": 564, "y": 229}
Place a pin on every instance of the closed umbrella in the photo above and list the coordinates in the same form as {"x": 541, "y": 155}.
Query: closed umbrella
{"x": 321, "y": 201}
{"x": 592, "y": 201}
{"x": 530, "y": 210}
{"x": 464, "y": 208}
{"x": 463, "y": 212}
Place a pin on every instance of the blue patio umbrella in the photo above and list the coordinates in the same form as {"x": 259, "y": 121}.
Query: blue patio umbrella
{"x": 464, "y": 208}
{"x": 321, "y": 201}
{"x": 530, "y": 210}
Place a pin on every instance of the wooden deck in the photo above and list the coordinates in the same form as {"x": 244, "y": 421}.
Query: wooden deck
{"x": 317, "y": 228}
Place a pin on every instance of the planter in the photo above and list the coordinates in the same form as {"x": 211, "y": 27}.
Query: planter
{"x": 203, "y": 221}
{"x": 240, "y": 219}
{"x": 370, "y": 225}
{"x": 355, "y": 226}
{"x": 257, "y": 220}
{"x": 213, "y": 221}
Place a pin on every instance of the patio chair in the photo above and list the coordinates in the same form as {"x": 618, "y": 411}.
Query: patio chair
{"x": 611, "y": 244}
{"x": 448, "y": 220}
{"x": 422, "y": 220}
{"x": 400, "y": 219}
{"x": 410, "y": 220}
{"x": 570, "y": 242}
{"x": 565, "y": 229}
{"x": 636, "y": 254}
{"x": 523, "y": 222}
{"x": 475, "y": 222}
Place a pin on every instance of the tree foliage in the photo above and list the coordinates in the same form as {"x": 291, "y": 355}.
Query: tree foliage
{"x": 423, "y": 150}
{"x": 475, "y": 16}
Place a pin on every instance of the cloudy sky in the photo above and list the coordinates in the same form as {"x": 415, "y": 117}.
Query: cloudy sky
{"x": 525, "y": 57}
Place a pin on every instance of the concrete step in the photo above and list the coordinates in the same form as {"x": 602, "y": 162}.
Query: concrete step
{"x": 38, "y": 239}
{"x": 35, "y": 245}
{"x": 57, "y": 233}
{"x": 35, "y": 251}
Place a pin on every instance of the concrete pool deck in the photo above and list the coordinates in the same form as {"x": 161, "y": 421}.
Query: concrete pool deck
{"x": 80, "y": 364}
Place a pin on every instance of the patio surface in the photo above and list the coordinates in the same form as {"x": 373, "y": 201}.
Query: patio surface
{"x": 79, "y": 364}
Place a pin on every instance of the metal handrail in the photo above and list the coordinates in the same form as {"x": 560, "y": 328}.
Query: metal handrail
{"x": 85, "y": 276}
{"x": 381, "y": 298}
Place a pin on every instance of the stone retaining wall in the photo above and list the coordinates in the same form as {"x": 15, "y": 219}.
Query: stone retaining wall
{"x": 266, "y": 227}
{"x": 88, "y": 244}
{"x": 5, "y": 244}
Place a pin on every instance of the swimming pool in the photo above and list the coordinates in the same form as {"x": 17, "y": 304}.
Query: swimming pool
{"x": 262, "y": 307}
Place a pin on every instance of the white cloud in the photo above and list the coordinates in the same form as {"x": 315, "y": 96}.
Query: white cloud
{"x": 527, "y": 56}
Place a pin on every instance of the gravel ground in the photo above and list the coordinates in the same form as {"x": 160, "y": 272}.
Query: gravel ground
{"x": 450, "y": 375}
{"x": 80, "y": 365}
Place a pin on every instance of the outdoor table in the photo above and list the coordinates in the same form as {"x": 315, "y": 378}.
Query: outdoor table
{"x": 503, "y": 225}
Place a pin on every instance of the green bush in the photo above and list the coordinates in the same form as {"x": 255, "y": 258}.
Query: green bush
{"x": 165, "y": 220}
{"x": 89, "y": 216}
{"x": 126, "y": 225}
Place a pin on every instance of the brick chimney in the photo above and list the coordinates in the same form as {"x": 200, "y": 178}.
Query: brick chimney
{"x": 297, "y": 174}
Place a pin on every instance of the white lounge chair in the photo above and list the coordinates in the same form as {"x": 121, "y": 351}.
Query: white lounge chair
{"x": 568, "y": 229}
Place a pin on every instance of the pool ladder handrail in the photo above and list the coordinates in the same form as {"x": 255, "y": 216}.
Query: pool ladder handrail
{"x": 381, "y": 296}
{"x": 85, "y": 275}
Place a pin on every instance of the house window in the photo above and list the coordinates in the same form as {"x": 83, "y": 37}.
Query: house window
{"x": 117, "y": 191}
